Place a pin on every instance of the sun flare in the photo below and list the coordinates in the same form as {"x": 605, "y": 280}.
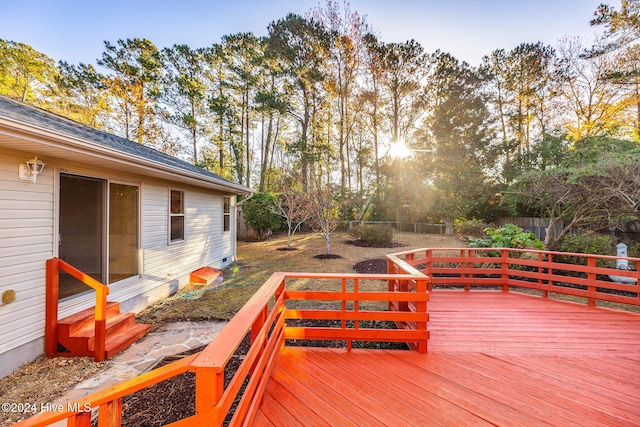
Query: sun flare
{"x": 399, "y": 150}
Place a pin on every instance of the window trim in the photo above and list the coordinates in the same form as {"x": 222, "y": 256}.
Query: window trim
{"x": 226, "y": 214}
{"x": 171, "y": 215}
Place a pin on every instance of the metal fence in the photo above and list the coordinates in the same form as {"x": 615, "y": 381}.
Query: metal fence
{"x": 409, "y": 227}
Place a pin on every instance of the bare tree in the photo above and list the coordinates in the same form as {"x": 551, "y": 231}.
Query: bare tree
{"x": 323, "y": 211}
{"x": 292, "y": 204}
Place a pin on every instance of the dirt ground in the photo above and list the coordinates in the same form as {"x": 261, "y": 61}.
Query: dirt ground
{"x": 45, "y": 379}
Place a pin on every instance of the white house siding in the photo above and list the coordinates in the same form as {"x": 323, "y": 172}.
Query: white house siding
{"x": 27, "y": 227}
{"x": 26, "y": 242}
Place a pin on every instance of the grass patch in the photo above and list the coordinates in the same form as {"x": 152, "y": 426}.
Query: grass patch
{"x": 257, "y": 261}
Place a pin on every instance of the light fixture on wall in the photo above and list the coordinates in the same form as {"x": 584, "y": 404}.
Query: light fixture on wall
{"x": 30, "y": 170}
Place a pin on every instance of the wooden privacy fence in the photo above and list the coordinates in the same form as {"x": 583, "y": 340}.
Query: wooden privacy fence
{"x": 349, "y": 299}
{"x": 578, "y": 275}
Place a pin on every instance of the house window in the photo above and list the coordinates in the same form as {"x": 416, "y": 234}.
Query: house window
{"x": 176, "y": 216}
{"x": 226, "y": 215}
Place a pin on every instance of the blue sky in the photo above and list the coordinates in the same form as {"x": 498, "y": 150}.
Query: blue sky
{"x": 74, "y": 30}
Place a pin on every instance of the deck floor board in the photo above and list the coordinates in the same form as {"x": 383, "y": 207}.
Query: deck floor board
{"x": 495, "y": 358}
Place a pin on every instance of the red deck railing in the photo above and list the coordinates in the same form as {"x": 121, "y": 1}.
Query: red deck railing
{"x": 335, "y": 297}
{"x": 54, "y": 265}
{"x": 342, "y": 297}
{"x": 578, "y": 275}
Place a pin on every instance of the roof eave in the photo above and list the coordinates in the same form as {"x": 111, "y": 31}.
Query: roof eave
{"x": 55, "y": 139}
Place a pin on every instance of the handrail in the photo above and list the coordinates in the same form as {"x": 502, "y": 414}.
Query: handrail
{"x": 80, "y": 410}
{"x": 54, "y": 265}
{"x": 524, "y": 268}
{"x": 263, "y": 316}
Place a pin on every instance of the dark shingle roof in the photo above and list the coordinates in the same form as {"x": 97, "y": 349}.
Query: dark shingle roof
{"x": 42, "y": 119}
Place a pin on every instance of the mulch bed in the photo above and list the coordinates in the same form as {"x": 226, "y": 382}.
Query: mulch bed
{"x": 173, "y": 399}
{"x": 371, "y": 266}
{"x": 327, "y": 256}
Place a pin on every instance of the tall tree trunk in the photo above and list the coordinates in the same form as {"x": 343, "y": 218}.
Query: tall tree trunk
{"x": 266, "y": 150}
{"x": 248, "y": 144}
{"x": 448, "y": 226}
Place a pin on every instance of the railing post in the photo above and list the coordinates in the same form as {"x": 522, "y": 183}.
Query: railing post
{"x": 403, "y": 287}
{"x": 209, "y": 390}
{"x": 421, "y": 307}
{"x": 545, "y": 294}
{"x": 51, "y": 308}
{"x": 82, "y": 419}
{"x": 343, "y": 307}
{"x": 465, "y": 267}
{"x": 591, "y": 280}
{"x": 428, "y": 266}
{"x": 391, "y": 282}
{"x": 504, "y": 268}
{"x": 279, "y": 291}
{"x": 255, "y": 330}
{"x": 110, "y": 414}
{"x": 356, "y": 307}
{"x": 99, "y": 350}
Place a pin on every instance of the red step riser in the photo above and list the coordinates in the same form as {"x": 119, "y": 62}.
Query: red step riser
{"x": 115, "y": 328}
{"x": 71, "y": 325}
{"x": 77, "y": 332}
{"x": 113, "y": 348}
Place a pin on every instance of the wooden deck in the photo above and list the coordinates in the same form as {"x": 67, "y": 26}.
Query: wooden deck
{"x": 495, "y": 358}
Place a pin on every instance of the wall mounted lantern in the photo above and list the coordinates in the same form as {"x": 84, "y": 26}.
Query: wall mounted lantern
{"x": 30, "y": 170}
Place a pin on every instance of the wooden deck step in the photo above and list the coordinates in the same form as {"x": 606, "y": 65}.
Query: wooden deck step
{"x": 204, "y": 275}
{"x": 81, "y": 320}
{"x": 77, "y": 332}
{"x": 123, "y": 339}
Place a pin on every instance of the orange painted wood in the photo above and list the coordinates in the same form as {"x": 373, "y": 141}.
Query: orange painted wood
{"x": 80, "y": 420}
{"x": 300, "y": 366}
{"x": 54, "y": 266}
{"x": 204, "y": 275}
{"x": 252, "y": 403}
{"x": 256, "y": 357}
{"x": 217, "y": 356}
{"x": 495, "y": 358}
{"x": 359, "y": 315}
{"x": 350, "y": 276}
{"x": 493, "y": 321}
{"x": 115, "y": 392}
{"x": 271, "y": 409}
{"x": 51, "y": 308}
{"x": 362, "y": 334}
{"x": 110, "y": 414}
{"x": 464, "y": 266}
{"x": 293, "y": 376}
{"x": 355, "y": 296}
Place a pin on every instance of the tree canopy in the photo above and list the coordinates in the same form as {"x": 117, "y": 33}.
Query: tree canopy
{"x": 320, "y": 99}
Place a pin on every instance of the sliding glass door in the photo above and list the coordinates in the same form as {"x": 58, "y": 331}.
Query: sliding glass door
{"x": 81, "y": 228}
{"x": 123, "y": 231}
{"x": 97, "y": 218}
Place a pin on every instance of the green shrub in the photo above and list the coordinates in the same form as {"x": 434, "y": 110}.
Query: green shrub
{"x": 589, "y": 243}
{"x": 470, "y": 228}
{"x": 507, "y": 236}
{"x": 259, "y": 214}
{"x": 373, "y": 235}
